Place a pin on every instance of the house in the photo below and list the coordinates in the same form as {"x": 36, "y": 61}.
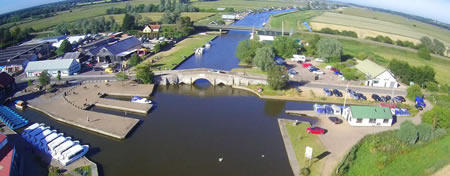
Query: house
{"x": 377, "y": 75}
{"x": 7, "y": 84}
{"x": 115, "y": 52}
{"x": 368, "y": 116}
{"x": 229, "y": 17}
{"x": 21, "y": 55}
{"x": 151, "y": 28}
{"x": 10, "y": 163}
{"x": 65, "y": 67}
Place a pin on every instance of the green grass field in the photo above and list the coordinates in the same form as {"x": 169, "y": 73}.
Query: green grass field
{"x": 156, "y": 16}
{"x": 300, "y": 139}
{"x": 293, "y": 20}
{"x": 441, "y": 66}
{"x": 431, "y": 30}
{"x": 171, "y": 58}
{"x": 383, "y": 154}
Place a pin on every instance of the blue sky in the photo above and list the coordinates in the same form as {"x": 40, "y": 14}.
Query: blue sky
{"x": 434, "y": 9}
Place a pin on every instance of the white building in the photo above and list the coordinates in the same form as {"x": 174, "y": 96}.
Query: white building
{"x": 65, "y": 67}
{"x": 368, "y": 116}
{"x": 229, "y": 17}
{"x": 377, "y": 75}
{"x": 72, "y": 40}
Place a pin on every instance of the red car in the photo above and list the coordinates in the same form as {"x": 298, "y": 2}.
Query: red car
{"x": 315, "y": 130}
{"x": 334, "y": 69}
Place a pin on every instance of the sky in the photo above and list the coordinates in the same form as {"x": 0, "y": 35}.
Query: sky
{"x": 13, "y": 5}
{"x": 434, "y": 9}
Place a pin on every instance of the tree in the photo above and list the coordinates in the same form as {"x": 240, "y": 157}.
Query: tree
{"x": 427, "y": 43}
{"x": 329, "y": 47}
{"x": 64, "y": 47}
{"x": 162, "y": 5}
{"x": 264, "y": 58}
{"x": 144, "y": 74}
{"x": 414, "y": 91}
{"x": 122, "y": 76}
{"x": 277, "y": 77}
{"x": 437, "y": 117}
{"x": 44, "y": 78}
{"x": 438, "y": 47}
{"x": 58, "y": 77}
{"x": 184, "y": 26}
{"x": 169, "y": 17}
{"x": 424, "y": 53}
{"x": 30, "y": 83}
{"x": 425, "y": 132}
{"x": 128, "y": 22}
{"x": 134, "y": 60}
{"x": 246, "y": 50}
{"x": 408, "y": 132}
{"x": 285, "y": 46}
{"x": 157, "y": 48}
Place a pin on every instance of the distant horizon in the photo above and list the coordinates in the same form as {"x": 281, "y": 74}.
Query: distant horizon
{"x": 432, "y": 9}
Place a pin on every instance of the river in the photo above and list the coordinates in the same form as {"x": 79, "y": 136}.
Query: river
{"x": 191, "y": 127}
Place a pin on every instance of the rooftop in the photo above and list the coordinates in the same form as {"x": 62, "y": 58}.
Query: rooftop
{"x": 5, "y": 79}
{"x": 49, "y": 65}
{"x": 6, "y": 156}
{"x": 371, "y": 112}
{"x": 370, "y": 68}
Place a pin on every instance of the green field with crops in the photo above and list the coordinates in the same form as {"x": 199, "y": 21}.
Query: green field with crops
{"x": 293, "y": 20}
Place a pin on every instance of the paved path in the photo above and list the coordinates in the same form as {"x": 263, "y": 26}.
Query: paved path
{"x": 289, "y": 147}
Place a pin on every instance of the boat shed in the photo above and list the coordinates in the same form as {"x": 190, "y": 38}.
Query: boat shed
{"x": 368, "y": 116}
{"x": 65, "y": 67}
{"x": 114, "y": 52}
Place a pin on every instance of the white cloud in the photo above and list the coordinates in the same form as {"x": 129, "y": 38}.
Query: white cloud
{"x": 434, "y": 9}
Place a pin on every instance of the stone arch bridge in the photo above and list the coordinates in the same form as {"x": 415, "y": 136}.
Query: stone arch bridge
{"x": 215, "y": 77}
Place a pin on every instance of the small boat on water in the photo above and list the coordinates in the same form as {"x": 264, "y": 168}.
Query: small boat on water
{"x": 199, "y": 51}
{"x": 208, "y": 45}
{"x": 20, "y": 104}
{"x": 138, "y": 99}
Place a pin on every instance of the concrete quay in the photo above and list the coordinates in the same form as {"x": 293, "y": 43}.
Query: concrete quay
{"x": 289, "y": 147}
{"x": 123, "y": 105}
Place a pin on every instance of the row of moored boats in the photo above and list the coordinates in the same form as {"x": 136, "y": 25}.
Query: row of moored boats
{"x": 54, "y": 144}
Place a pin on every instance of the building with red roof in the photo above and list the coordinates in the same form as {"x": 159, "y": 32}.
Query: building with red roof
{"x": 8, "y": 158}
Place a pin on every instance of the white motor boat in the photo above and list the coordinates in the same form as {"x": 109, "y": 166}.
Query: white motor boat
{"x": 73, "y": 154}
{"x": 138, "y": 99}
{"x": 55, "y": 143}
{"x": 30, "y": 129}
{"x": 48, "y": 139}
{"x": 63, "y": 147}
{"x": 30, "y": 136}
{"x": 37, "y": 139}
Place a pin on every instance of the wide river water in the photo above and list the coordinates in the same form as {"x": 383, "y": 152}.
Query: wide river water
{"x": 191, "y": 127}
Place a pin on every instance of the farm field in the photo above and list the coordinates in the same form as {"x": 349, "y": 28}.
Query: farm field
{"x": 370, "y": 27}
{"x": 156, "y": 16}
{"x": 431, "y": 30}
{"x": 290, "y": 23}
{"x": 441, "y": 66}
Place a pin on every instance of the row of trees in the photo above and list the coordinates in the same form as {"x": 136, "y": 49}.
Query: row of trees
{"x": 337, "y": 32}
{"x": 184, "y": 26}
{"x": 90, "y": 25}
{"x": 171, "y": 6}
{"x": 17, "y": 35}
{"x": 434, "y": 46}
{"x": 406, "y": 73}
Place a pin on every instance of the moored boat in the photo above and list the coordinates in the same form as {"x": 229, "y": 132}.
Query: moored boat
{"x": 137, "y": 99}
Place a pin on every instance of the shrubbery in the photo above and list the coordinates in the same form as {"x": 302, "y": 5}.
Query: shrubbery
{"x": 408, "y": 133}
{"x": 438, "y": 117}
{"x": 414, "y": 91}
{"x": 425, "y": 132}
{"x": 336, "y": 32}
{"x": 407, "y": 73}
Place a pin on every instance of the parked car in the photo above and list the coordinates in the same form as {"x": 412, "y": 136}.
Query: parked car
{"x": 297, "y": 58}
{"x": 376, "y": 97}
{"x": 329, "y": 67}
{"x": 292, "y": 72}
{"x": 335, "y": 69}
{"x": 109, "y": 70}
{"x": 399, "y": 99}
{"x": 388, "y": 97}
{"x": 335, "y": 120}
{"x": 420, "y": 108}
{"x": 337, "y": 93}
{"x": 383, "y": 98}
{"x": 315, "y": 130}
{"x": 319, "y": 60}
{"x": 328, "y": 92}
{"x": 318, "y": 72}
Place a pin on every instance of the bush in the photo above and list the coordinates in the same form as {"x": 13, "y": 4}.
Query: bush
{"x": 305, "y": 171}
{"x": 414, "y": 91}
{"x": 424, "y": 53}
{"x": 432, "y": 86}
{"x": 439, "y": 132}
{"x": 425, "y": 132}
{"x": 408, "y": 133}
{"x": 437, "y": 117}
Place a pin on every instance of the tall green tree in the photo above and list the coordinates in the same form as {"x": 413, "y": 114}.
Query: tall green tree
{"x": 134, "y": 60}
{"x": 264, "y": 58}
{"x": 427, "y": 42}
{"x": 64, "y": 48}
{"x": 128, "y": 22}
{"x": 144, "y": 74}
{"x": 438, "y": 47}
{"x": 277, "y": 77}
{"x": 424, "y": 53}
{"x": 328, "y": 48}
{"x": 44, "y": 78}
{"x": 162, "y": 5}
{"x": 285, "y": 46}
{"x": 246, "y": 50}
{"x": 185, "y": 26}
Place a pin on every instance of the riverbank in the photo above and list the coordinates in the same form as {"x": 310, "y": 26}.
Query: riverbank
{"x": 170, "y": 59}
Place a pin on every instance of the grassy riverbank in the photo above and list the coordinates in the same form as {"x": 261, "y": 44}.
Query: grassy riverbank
{"x": 384, "y": 154}
{"x": 182, "y": 50}
{"x": 300, "y": 139}
{"x": 293, "y": 20}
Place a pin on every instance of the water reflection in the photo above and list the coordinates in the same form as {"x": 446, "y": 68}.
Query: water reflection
{"x": 274, "y": 108}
